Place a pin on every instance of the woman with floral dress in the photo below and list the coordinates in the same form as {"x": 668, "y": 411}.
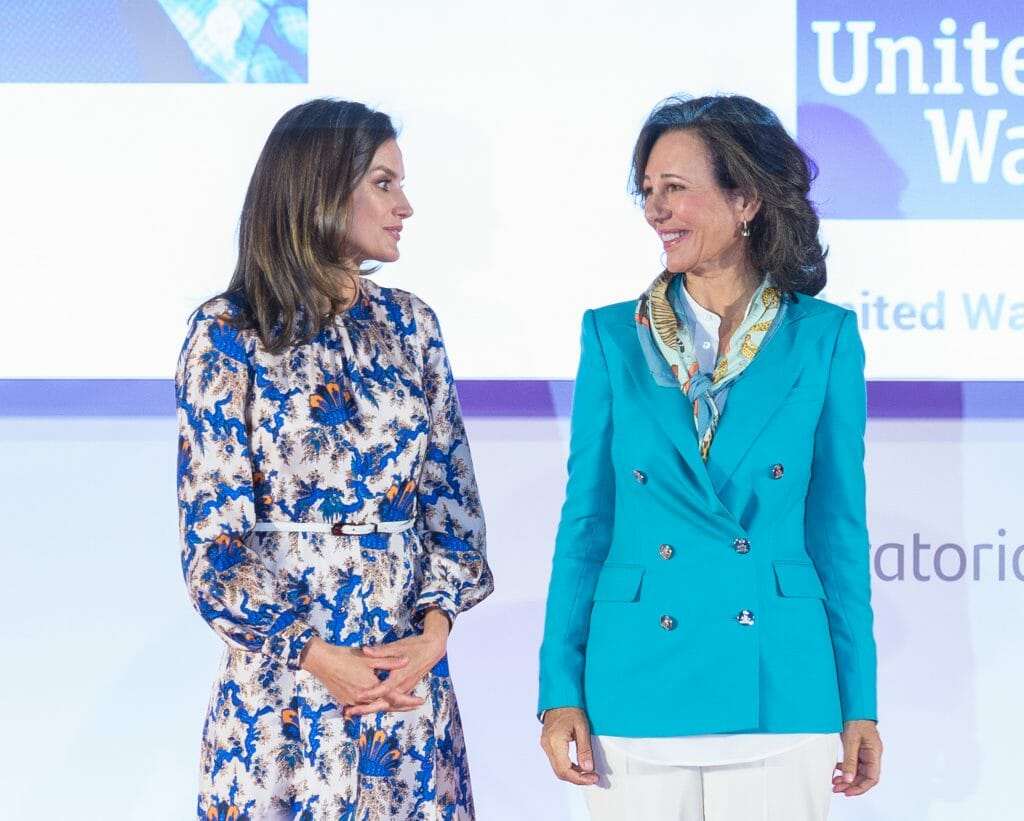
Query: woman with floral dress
{"x": 330, "y": 521}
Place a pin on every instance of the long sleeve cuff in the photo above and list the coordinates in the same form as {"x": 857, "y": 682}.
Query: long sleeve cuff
{"x": 436, "y": 599}
{"x": 286, "y": 645}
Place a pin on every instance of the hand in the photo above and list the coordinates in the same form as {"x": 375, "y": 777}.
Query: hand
{"x": 422, "y": 652}
{"x": 862, "y": 758}
{"x": 562, "y": 725}
{"x": 348, "y": 671}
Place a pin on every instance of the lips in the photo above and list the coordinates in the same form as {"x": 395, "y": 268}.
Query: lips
{"x": 396, "y": 232}
{"x": 670, "y": 238}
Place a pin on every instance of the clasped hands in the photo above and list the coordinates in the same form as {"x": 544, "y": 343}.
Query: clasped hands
{"x": 350, "y": 673}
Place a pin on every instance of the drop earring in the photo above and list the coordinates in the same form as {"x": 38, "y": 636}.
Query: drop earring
{"x": 745, "y": 229}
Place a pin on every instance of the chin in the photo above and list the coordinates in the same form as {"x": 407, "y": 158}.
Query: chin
{"x": 678, "y": 265}
{"x": 382, "y": 257}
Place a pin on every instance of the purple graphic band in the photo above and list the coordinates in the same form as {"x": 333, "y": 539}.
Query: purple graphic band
{"x": 496, "y": 398}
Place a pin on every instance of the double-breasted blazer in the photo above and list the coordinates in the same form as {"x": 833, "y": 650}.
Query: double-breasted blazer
{"x": 721, "y": 597}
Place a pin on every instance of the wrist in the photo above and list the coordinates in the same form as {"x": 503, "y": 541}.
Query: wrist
{"x": 311, "y": 654}
{"x": 436, "y": 625}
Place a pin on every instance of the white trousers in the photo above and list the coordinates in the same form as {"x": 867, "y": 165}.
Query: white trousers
{"x": 793, "y": 786}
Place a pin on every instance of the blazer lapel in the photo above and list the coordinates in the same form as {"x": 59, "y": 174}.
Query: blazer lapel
{"x": 669, "y": 407}
{"x": 754, "y": 398}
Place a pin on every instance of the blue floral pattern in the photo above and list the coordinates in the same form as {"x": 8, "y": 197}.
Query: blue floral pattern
{"x": 360, "y": 425}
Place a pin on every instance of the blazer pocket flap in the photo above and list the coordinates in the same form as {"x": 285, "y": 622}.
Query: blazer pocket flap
{"x": 619, "y": 582}
{"x": 798, "y": 580}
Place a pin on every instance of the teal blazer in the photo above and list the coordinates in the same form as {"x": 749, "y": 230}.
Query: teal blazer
{"x": 726, "y": 597}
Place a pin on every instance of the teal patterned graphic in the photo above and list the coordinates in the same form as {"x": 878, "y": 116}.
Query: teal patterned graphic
{"x": 244, "y": 41}
{"x": 179, "y": 41}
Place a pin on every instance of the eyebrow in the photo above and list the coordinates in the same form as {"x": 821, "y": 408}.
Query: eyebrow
{"x": 667, "y": 176}
{"x": 385, "y": 169}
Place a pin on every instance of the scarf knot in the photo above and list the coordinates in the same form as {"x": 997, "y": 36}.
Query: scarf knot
{"x": 697, "y": 386}
{"x": 662, "y": 327}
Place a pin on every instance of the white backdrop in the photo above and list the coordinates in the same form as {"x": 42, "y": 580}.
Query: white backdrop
{"x": 117, "y": 214}
{"x": 121, "y": 200}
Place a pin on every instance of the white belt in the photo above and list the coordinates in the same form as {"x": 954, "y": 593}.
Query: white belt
{"x": 335, "y": 529}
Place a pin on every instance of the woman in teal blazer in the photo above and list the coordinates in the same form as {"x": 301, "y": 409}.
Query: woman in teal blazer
{"x": 711, "y": 569}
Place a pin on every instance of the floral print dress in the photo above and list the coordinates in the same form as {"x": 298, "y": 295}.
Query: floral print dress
{"x": 361, "y": 425}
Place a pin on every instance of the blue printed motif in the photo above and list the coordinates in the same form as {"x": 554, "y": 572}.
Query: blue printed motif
{"x": 379, "y": 754}
{"x": 330, "y": 405}
{"x": 361, "y": 425}
{"x": 226, "y": 810}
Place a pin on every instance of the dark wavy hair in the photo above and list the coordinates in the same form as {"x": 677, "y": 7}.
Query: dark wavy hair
{"x": 751, "y": 152}
{"x": 292, "y": 263}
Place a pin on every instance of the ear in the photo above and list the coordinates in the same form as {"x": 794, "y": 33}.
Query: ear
{"x": 747, "y": 205}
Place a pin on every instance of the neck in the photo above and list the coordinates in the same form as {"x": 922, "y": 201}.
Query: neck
{"x": 346, "y": 279}
{"x": 726, "y": 294}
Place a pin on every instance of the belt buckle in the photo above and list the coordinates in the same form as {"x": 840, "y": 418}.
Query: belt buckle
{"x": 359, "y": 528}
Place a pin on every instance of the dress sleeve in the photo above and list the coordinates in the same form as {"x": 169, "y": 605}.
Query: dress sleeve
{"x": 229, "y": 584}
{"x": 584, "y": 531}
{"x": 449, "y": 519}
{"x": 836, "y": 524}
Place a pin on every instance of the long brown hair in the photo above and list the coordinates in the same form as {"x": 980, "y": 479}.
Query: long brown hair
{"x": 292, "y": 233}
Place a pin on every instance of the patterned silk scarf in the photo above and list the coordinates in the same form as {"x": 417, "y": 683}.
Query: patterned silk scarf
{"x": 673, "y": 338}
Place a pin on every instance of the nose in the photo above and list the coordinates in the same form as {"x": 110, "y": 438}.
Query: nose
{"x": 654, "y": 209}
{"x": 402, "y": 209}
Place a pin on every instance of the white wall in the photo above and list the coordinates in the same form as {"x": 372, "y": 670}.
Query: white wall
{"x": 107, "y": 669}
{"x": 518, "y": 127}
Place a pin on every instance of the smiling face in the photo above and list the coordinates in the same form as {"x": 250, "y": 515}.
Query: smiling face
{"x": 698, "y": 222}
{"x": 378, "y": 208}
